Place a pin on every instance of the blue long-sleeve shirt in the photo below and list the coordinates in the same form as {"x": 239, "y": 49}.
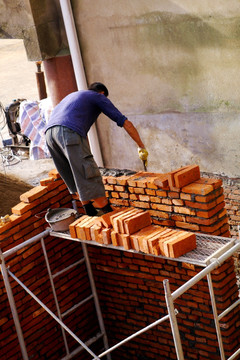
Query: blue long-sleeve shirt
{"x": 80, "y": 109}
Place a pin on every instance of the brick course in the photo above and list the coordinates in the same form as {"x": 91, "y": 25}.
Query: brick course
{"x": 129, "y": 284}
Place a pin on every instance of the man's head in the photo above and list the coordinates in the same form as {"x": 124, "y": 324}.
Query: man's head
{"x": 98, "y": 87}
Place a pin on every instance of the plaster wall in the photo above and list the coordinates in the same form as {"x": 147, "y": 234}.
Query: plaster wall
{"x": 38, "y": 23}
{"x": 172, "y": 67}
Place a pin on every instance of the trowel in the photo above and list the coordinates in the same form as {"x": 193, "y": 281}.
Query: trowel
{"x": 144, "y": 165}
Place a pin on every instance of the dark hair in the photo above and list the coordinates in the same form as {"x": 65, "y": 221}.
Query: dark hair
{"x": 98, "y": 87}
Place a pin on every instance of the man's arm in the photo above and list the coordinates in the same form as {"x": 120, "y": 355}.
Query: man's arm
{"x": 133, "y": 133}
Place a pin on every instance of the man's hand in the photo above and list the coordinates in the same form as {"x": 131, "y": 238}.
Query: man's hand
{"x": 143, "y": 154}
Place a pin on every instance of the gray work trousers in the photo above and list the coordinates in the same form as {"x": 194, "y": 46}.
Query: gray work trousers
{"x": 74, "y": 161}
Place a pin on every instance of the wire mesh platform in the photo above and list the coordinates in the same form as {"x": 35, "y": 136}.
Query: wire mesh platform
{"x": 208, "y": 247}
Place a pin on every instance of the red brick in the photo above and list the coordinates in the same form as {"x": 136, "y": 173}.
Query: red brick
{"x": 150, "y": 192}
{"x": 47, "y": 181}
{"x": 134, "y": 243}
{"x": 159, "y": 214}
{"x": 140, "y": 204}
{"x": 122, "y": 180}
{"x": 95, "y": 232}
{"x": 142, "y": 183}
{"x": 137, "y": 222}
{"x": 87, "y": 228}
{"x": 54, "y": 173}
{"x": 144, "y": 198}
{"x": 104, "y": 179}
{"x": 111, "y": 180}
{"x": 145, "y": 234}
{"x": 132, "y": 180}
{"x": 183, "y": 210}
{"x": 105, "y": 219}
{"x": 167, "y": 201}
{"x": 33, "y": 194}
{"x": 79, "y": 228}
{"x": 23, "y": 207}
{"x": 207, "y": 198}
{"x": 153, "y": 242}
{"x": 109, "y": 187}
{"x": 133, "y": 197}
{"x": 160, "y": 181}
{"x": 177, "y": 202}
{"x": 114, "y": 214}
{"x": 5, "y": 227}
{"x": 137, "y": 190}
{"x": 16, "y": 219}
{"x": 119, "y": 202}
{"x": 174, "y": 194}
{"x": 146, "y": 231}
{"x": 184, "y": 196}
{"x": 177, "y": 217}
{"x": 198, "y": 189}
{"x": 126, "y": 241}
{"x": 72, "y": 226}
{"x": 170, "y": 176}
{"x": 118, "y": 220}
{"x": 210, "y": 213}
{"x": 216, "y": 226}
{"x": 115, "y": 238}
{"x": 124, "y": 195}
{"x": 180, "y": 244}
{"x": 162, "y": 207}
{"x": 169, "y": 223}
{"x": 216, "y": 183}
{"x": 158, "y": 247}
{"x": 187, "y": 176}
{"x": 155, "y": 199}
{"x": 106, "y": 234}
{"x": 184, "y": 225}
{"x": 55, "y": 184}
{"x": 119, "y": 188}
{"x": 161, "y": 193}
{"x": 202, "y": 206}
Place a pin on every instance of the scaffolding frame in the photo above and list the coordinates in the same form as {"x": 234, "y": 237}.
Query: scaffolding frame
{"x": 213, "y": 263}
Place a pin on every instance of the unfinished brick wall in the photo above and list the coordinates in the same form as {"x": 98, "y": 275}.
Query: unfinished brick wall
{"x": 231, "y": 193}
{"x": 129, "y": 285}
{"x": 198, "y": 206}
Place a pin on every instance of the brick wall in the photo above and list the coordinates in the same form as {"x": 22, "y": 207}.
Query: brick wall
{"x": 129, "y": 285}
{"x": 131, "y": 293}
{"x": 231, "y": 193}
{"x": 198, "y": 206}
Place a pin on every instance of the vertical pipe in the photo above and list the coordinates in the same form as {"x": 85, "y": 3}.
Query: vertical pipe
{"x": 173, "y": 320}
{"x": 79, "y": 71}
{"x": 95, "y": 296}
{"x": 13, "y": 308}
{"x": 54, "y": 294}
{"x": 215, "y": 314}
{"x": 41, "y": 85}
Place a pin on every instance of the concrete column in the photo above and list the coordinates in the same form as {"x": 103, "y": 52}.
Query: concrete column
{"x": 60, "y": 77}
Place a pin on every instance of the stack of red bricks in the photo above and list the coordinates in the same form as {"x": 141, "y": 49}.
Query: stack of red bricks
{"x": 132, "y": 229}
{"x": 179, "y": 199}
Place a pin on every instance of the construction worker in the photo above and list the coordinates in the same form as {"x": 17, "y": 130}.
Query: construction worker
{"x": 66, "y": 137}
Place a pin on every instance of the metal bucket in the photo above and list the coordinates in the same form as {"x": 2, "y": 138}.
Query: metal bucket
{"x": 59, "y": 219}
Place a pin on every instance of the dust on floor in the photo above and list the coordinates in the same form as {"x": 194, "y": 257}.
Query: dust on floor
{"x": 10, "y": 189}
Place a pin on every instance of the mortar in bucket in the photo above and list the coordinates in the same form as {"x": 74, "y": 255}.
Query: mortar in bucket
{"x": 59, "y": 219}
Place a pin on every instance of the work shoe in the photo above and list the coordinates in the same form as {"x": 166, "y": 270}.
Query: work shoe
{"x": 90, "y": 209}
{"x": 106, "y": 209}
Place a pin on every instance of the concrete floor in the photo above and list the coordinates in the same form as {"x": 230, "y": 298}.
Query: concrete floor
{"x": 29, "y": 171}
